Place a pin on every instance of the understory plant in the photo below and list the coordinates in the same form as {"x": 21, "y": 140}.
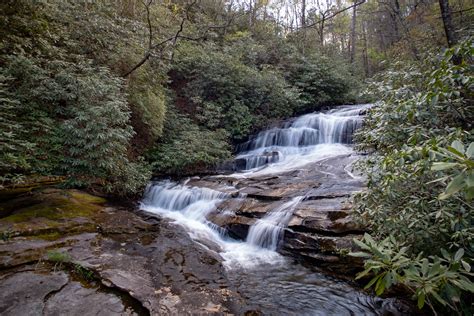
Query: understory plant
{"x": 418, "y": 205}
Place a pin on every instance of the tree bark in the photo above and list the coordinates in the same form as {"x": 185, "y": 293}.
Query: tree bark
{"x": 448, "y": 22}
{"x": 303, "y": 14}
{"x": 353, "y": 34}
{"x": 365, "y": 52}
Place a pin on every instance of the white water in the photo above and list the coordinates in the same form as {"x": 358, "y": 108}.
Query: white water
{"x": 189, "y": 207}
{"x": 268, "y": 231}
{"x": 307, "y": 139}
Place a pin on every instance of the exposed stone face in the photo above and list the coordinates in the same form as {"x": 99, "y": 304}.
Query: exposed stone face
{"x": 25, "y": 293}
{"x": 321, "y": 225}
{"x": 140, "y": 264}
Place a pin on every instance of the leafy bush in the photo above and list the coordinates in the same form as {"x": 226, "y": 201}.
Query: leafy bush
{"x": 14, "y": 150}
{"x": 320, "y": 80}
{"x": 234, "y": 96}
{"x": 187, "y": 148}
{"x": 79, "y": 119}
{"x": 433, "y": 280}
{"x": 420, "y": 173}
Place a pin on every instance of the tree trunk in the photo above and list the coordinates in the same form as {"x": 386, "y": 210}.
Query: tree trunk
{"x": 322, "y": 26}
{"x": 365, "y": 52}
{"x": 448, "y": 22}
{"x": 353, "y": 34}
{"x": 303, "y": 13}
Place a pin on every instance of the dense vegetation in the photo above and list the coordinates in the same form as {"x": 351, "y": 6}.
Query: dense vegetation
{"x": 421, "y": 180}
{"x": 76, "y": 102}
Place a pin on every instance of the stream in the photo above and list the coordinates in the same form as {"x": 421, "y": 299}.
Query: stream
{"x": 209, "y": 210}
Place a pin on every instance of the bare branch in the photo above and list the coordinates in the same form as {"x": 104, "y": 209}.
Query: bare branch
{"x": 151, "y": 46}
{"x": 173, "y": 40}
{"x": 334, "y": 14}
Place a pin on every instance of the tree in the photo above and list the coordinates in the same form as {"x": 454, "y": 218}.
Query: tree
{"x": 447, "y": 22}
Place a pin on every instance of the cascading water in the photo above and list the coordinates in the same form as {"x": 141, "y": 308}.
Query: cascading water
{"x": 266, "y": 278}
{"x": 301, "y": 141}
{"x": 189, "y": 207}
{"x": 267, "y": 232}
{"x": 312, "y": 135}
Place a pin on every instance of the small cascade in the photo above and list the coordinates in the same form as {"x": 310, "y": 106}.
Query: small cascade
{"x": 302, "y": 136}
{"x": 268, "y": 231}
{"x": 180, "y": 201}
{"x": 189, "y": 207}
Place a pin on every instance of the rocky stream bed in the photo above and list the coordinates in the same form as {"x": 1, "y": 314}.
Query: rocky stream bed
{"x": 186, "y": 249}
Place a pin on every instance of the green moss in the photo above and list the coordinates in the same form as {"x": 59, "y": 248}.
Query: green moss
{"x": 59, "y": 205}
{"x": 85, "y": 197}
{"x": 50, "y": 236}
{"x": 58, "y": 257}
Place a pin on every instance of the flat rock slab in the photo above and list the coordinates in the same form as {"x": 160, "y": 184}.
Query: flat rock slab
{"x": 25, "y": 293}
{"x": 74, "y": 299}
{"x": 140, "y": 264}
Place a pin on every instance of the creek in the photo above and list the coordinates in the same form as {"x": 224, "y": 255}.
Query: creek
{"x": 257, "y": 218}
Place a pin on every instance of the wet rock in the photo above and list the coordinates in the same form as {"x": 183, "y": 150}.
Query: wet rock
{"x": 74, "y": 299}
{"x": 321, "y": 227}
{"x": 146, "y": 260}
{"x": 25, "y": 293}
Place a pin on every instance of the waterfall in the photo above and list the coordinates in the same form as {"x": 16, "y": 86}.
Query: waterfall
{"x": 301, "y": 136}
{"x": 266, "y": 279}
{"x": 188, "y": 205}
{"x": 268, "y": 231}
{"x": 299, "y": 142}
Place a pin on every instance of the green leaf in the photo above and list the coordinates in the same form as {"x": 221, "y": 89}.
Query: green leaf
{"x": 359, "y": 254}
{"x": 466, "y": 266}
{"x": 374, "y": 279}
{"x": 424, "y": 266}
{"x": 361, "y": 244}
{"x": 466, "y": 285}
{"x": 454, "y": 186}
{"x": 470, "y": 180}
{"x": 421, "y": 300}
{"x": 457, "y": 148}
{"x": 459, "y": 254}
{"x": 438, "y": 298}
{"x": 470, "y": 151}
{"x": 438, "y": 166}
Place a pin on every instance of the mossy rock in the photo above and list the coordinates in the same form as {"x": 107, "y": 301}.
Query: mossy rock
{"x": 50, "y": 213}
{"x": 31, "y": 184}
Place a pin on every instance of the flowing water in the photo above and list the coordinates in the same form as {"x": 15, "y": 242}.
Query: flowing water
{"x": 269, "y": 281}
{"x": 267, "y": 232}
{"x": 304, "y": 140}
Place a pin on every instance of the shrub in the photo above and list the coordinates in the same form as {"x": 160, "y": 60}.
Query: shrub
{"x": 234, "y": 96}
{"x": 187, "y": 148}
{"x": 321, "y": 81}
{"x": 420, "y": 174}
{"x": 79, "y": 119}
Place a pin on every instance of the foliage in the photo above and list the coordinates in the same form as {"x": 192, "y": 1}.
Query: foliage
{"x": 442, "y": 280}
{"x": 79, "y": 119}
{"x": 188, "y": 148}
{"x": 148, "y": 98}
{"x": 320, "y": 80}
{"x": 462, "y": 161}
{"x": 420, "y": 171}
{"x": 234, "y": 96}
{"x": 14, "y": 150}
